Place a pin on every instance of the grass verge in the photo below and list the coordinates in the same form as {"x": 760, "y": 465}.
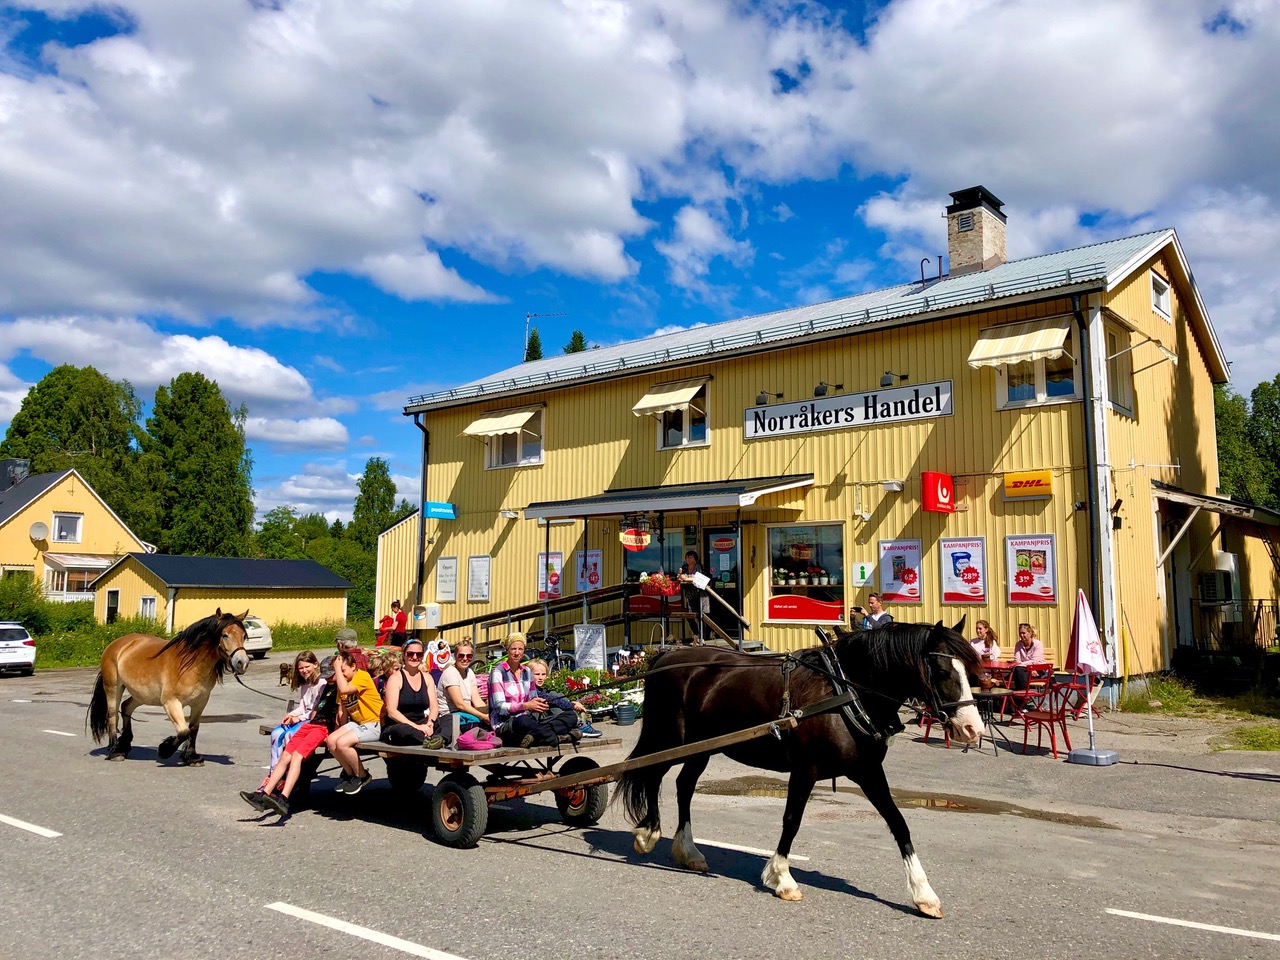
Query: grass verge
{"x": 1259, "y": 709}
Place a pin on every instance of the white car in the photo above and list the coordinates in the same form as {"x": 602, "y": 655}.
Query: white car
{"x": 17, "y": 649}
{"x": 257, "y": 640}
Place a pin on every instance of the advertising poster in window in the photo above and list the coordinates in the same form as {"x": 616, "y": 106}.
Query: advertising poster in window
{"x": 964, "y": 570}
{"x": 900, "y": 571}
{"x": 805, "y": 582}
{"x": 478, "y": 579}
{"x": 447, "y": 580}
{"x": 550, "y": 575}
{"x": 588, "y": 563}
{"x": 1031, "y": 564}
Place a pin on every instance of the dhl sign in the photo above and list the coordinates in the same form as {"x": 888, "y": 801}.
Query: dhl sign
{"x": 1028, "y": 485}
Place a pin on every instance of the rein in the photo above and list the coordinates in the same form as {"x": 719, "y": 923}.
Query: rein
{"x": 261, "y": 693}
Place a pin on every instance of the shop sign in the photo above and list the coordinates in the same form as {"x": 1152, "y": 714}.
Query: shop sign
{"x": 1028, "y": 485}
{"x": 964, "y": 570}
{"x": 848, "y": 411}
{"x": 633, "y": 539}
{"x": 723, "y": 544}
{"x": 801, "y": 609}
{"x": 440, "y": 511}
{"x": 1031, "y": 564}
{"x": 938, "y": 491}
{"x": 550, "y": 575}
{"x": 900, "y": 571}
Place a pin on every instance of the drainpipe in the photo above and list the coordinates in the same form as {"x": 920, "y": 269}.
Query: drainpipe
{"x": 1091, "y": 458}
{"x": 422, "y": 508}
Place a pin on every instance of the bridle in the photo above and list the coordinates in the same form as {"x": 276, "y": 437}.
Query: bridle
{"x": 943, "y": 709}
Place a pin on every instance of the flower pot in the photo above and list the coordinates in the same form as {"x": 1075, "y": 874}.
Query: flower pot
{"x": 624, "y": 714}
{"x": 822, "y": 581}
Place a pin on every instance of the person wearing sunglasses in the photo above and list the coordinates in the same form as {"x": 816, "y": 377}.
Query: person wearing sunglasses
{"x": 411, "y": 704}
{"x": 458, "y": 695}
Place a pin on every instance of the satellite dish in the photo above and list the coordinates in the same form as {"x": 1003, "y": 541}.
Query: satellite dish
{"x": 39, "y": 530}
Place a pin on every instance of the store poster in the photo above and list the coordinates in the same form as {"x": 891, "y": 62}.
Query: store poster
{"x": 447, "y": 580}
{"x": 589, "y": 645}
{"x": 550, "y": 576}
{"x": 588, "y": 563}
{"x": 964, "y": 570}
{"x": 1031, "y": 564}
{"x": 900, "y": 571}
{"x": 478, "y": 579}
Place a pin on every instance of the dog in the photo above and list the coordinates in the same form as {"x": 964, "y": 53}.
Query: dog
{"x": 286, "y": 675}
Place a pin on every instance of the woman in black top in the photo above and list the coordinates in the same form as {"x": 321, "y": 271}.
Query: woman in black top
{"x": 410, "y": 699}
{"x": 695, "y": 600}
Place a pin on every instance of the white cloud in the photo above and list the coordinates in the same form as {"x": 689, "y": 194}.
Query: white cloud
{"x": 327, "y": 488}
{"x": 421, "y": 276}
{"x": 699, "y": 238}
{"x": 308, "y": 433}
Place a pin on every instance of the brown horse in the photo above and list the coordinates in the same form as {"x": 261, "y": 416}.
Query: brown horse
{"x": 179, "y": 673}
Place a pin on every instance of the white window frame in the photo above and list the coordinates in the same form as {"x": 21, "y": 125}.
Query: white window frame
{"x": 697, "y": 401}
{"x": 1119, "y": 357}
{"x": 1041, "y": 398}
{"x": 144, "y": 603}
{"x": 845, "y": 588}
{"x": 78, "y": 518}
{"x": 526, "y": 456}
{"x": 1161, "y": 296}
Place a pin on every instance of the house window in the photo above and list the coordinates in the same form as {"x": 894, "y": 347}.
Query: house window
{"x": 806, "y": 573}
{"x": 1160, "y": 296}
{"x": 520, "y": 448}
{"x": 147, "y": 608}
{"x": 686, "y": 427}
{"x": 1119, "y": 370}
{"x": 1031, "y": 382}
{"x": 66, "y": 527}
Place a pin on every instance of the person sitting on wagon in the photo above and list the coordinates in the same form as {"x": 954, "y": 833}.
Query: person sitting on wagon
{"x": 349, "y": 643}
{"x": 513, "y": 709}
{"x": 458, "y": 695}
{"x": 571, "y": 714}
{"x": 306, "y": 680}
{"x": 360, "y": 714}
{"x": 411, "y": 704}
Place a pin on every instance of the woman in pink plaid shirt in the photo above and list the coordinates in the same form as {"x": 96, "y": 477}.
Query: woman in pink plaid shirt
{"x": 512, "y": 703}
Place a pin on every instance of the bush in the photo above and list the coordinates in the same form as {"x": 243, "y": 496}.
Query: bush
{"x": 317, "y": 636}
{"x": 83, "y": 647}
{"x": 22, "y": 601}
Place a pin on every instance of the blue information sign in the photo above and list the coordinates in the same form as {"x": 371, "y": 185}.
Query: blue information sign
{"x": 441, "y": 511}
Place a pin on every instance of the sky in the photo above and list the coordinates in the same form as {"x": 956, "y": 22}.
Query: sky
{"x": 330, "y": 206}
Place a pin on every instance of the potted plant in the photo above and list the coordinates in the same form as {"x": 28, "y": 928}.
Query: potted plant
{"x": 822, "y": 577}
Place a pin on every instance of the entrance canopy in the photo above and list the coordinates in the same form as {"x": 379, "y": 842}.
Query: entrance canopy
{"x": 1020, "y": 342}
{"x": 668, "y": 398}
{"x": 676, "y": 498}
{"x": 77, "y": 561}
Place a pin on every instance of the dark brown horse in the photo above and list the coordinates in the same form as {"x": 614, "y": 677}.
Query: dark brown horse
{"x": 175, "y": 674}
{"x": 708, "y": 692}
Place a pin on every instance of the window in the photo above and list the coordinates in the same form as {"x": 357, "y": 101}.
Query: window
{"x": 806, "y": 573}
{"x": 686, "y": 427}
{"x": 147, "y": 608}
{"x": 66, "y": 527}
{"x": 1160, "y": 296}
{"x": 519, "y": 448}
{"x": 1031, "y": 382}
{"x": 58, "y": 580}
{"x": 1119, "y": 370}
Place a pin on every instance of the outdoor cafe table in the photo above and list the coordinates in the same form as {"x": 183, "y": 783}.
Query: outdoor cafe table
{"x": 986, "y": 701}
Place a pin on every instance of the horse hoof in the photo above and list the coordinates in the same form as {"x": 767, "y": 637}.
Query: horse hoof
{"x": 116, "y": 756}
{"x": 168, "y": 746}
{"x": 793, "y": 894}
{"x": 697, "y": 866}
{"x": 646, "y": 840}
{"x": 932, "y": 910}
{"x": 196, "y": 761}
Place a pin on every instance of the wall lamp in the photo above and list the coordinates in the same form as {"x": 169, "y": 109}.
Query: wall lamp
{"x": 508, "y": 514}
{"x": 893, "y": 486}
{"x": 822, "y": 388}
{"x": 890, "y": 378}
{"x": 763, "y": 396}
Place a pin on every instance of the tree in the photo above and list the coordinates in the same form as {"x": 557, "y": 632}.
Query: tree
{"x": 337, "y": 530}
{"x": 1264, "y": 437}
{"x": 312, "y": 526}
{"x": 1242, "y": 473}
{"x": 375, "y": 504}
{"x": 277, "y": 537}
{"x": 198, "y": 442}
{"x": 577, "y": 343}
{"x": 348, "y": 559}
{"x": 533, "y": 349}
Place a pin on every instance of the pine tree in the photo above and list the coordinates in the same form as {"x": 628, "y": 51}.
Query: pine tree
{"x": 577, "y": 343}
{"x": 533, "y": 349}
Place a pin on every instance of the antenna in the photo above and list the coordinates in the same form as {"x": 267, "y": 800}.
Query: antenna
{"x": 527, "y": 317}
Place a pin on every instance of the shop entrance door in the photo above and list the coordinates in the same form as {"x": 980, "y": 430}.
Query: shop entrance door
{"x": 722, "y": 559}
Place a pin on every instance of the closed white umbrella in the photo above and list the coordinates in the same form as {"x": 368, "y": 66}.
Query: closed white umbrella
{"x": 1087, "y": 655}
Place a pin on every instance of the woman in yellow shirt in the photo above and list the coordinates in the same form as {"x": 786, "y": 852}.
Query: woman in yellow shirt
{"x": 359, "y": 716}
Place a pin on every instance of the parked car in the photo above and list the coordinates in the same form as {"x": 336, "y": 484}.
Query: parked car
{"x": 17, "y": 649}
{"x": 257, "y": 641}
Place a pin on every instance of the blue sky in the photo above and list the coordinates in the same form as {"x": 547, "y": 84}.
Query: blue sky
{"x": 329, "y": 208}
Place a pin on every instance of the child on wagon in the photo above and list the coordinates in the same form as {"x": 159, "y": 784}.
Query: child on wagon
{"x": 541, "y": 670}
{"x": 360, "y": 721}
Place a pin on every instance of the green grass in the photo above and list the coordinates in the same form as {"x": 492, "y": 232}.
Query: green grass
{"x": 1258, "y": 708}
{"x": 317, "y": 636}
{"x": 1261, "y": 736}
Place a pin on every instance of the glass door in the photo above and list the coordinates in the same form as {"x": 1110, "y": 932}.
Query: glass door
{"x": 722, "y": 560}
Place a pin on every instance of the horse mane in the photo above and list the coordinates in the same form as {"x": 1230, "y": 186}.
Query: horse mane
{"x": 197, "y": 639}
{"x": 897, "y": 644}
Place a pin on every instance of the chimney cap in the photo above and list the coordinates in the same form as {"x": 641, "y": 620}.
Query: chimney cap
{"x": 974, "y": 197}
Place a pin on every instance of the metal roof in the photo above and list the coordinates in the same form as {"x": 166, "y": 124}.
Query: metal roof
{"x": 15, "y": 498}
{"x": 1092, "y": 267}
{"x": 236, "y": 572}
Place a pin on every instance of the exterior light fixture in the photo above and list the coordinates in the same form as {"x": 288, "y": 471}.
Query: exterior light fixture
{"x": 508, "y": 514}
{"x": 763, "y": 396}
{"x": 893, "y": 486}
{"x": 823, "y": 388}
{"x": 635, "y": 521}
{"x": 890, "y": 378}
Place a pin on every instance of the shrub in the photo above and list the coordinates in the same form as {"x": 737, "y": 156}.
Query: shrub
{"x": 21, "y": 600}
{"x": 317, "y": 636}
{"x": 83, "y": 647}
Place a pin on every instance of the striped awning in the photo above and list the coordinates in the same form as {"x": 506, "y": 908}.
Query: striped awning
{"x": 668, "y": 397}
{"x": 500, "y": 422}
{"x": 1020, "y": 342}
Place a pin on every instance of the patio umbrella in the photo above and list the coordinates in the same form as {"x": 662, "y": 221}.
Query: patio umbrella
{"x": 1086, "y": 655}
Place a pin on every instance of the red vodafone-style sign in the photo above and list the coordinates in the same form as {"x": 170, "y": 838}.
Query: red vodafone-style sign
{"x": 723, "y": 544}
{"x": 939, "y": 491}
{"x": 634, "y": 540}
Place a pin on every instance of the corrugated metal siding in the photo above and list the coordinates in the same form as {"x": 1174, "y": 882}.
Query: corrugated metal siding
{"x": 397, "y": 560}
{"x": 270, "y": 606}
{"x": 134, "y": 582}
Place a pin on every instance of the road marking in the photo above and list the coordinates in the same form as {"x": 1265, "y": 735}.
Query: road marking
{"x": 1211, "y": 927}
{"x": 375, "y": 936}
{"x": 58, "y": 733}
{"x": 19, "y": 701}
{"x": 30, "y": 827}
{"x": 737, "y": 849}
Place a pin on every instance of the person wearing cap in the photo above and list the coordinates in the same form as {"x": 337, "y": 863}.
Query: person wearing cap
{"x": 359, "y": 721}
{"x": 513, "y": 708}
{"x": 399, "y": 632}
{"x": 349, "y": 643}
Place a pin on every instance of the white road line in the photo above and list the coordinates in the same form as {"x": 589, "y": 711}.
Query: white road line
{"x": 737, "y": 849}
{"x": 30, "y": 827}
{"x": 19, "y": 701}
{"x": 1211, "y": 927}
{"x": 58, "y": 733}
{"x": 375, "y": 936}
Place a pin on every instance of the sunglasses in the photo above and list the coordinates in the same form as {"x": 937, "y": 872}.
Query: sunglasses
{"x": 413, "y": 656}
{"x": 464, "y": 656}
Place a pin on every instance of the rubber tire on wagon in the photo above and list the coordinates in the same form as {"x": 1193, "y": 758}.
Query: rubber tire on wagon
{"x": 459, "y": 811}
{"x": 581, "y": 806}
{"x": 406, "y": 775}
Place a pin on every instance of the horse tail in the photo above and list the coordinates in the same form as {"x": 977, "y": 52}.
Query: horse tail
{"x": 97, "y": 718}
{"x": 633, "y": 791}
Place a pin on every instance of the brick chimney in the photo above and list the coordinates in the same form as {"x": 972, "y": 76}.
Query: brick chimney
{"x": 975, "y": 231}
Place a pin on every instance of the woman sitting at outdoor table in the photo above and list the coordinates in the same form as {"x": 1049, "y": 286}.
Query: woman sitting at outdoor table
{"x": 986, "y": 642}
{"x": 1028, "y": 650}
{"x": 458, "y": 694}
{"x": 410, "y": 701}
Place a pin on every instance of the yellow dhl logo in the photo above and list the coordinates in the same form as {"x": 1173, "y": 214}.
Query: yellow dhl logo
{"x": 1029, "y": 483}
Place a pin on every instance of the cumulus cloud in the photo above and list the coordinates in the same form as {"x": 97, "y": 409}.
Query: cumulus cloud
{"x": 325, "y": 488}
{"x": 699, "y": 237}
{"x": 308, "y": 433}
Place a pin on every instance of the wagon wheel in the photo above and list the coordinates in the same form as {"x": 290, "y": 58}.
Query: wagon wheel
{"x": 581, "y": 806}
{"x": 459, "y": 810}
{"x": 406, "y": 775}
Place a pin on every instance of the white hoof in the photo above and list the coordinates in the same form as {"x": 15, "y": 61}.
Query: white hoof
{"x": 777, "y": 877}
{"x": 686, "y": 852}
{"x": 931, "y": 908}
{"x": 646, "y": 839}
{"x": 922, "y": 894}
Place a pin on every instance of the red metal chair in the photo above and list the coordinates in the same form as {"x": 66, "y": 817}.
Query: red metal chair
{"x": 927, "y": 719}
{"x": 1077, "y": 688}
{"x": 1031, "y": 697}
{"x": 1050, "y": 714}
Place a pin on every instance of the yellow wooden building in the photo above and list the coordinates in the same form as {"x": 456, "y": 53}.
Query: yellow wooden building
{"x": 397, "y": 566}
{"x": 177, "y": 591}
{"x": 979, "y": 443}
{"x": 56, "y": 528}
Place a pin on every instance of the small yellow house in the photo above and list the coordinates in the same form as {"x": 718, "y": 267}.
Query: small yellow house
{"x": 177, "y": 591}
{"x": 56, "y": 528}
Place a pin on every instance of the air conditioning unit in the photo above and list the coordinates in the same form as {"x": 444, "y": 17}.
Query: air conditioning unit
{"x": 1215, "y": 587}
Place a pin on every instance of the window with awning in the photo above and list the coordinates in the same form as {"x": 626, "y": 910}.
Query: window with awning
{"x": 1021, "y": 342}
{"x": 512, "y": 438}
{"x": 1035, "y": 362}
{"x": 681, "y": 411}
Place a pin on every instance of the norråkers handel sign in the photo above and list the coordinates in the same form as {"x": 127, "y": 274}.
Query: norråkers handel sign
{"x": 848, "y": 411}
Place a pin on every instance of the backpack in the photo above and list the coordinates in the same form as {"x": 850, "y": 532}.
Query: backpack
{"x": 477, "y": 738}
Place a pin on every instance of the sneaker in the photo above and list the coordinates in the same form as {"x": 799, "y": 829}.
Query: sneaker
{"x": 590, "y": 732}
{"x": 255, "y": 799}
{"x": 574, "y": 735}
{"x": 343, "y": 783}
{"x": 277, "y": 804}
{"x": 527, "y": 740}
{"x": 356, "y": 784}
